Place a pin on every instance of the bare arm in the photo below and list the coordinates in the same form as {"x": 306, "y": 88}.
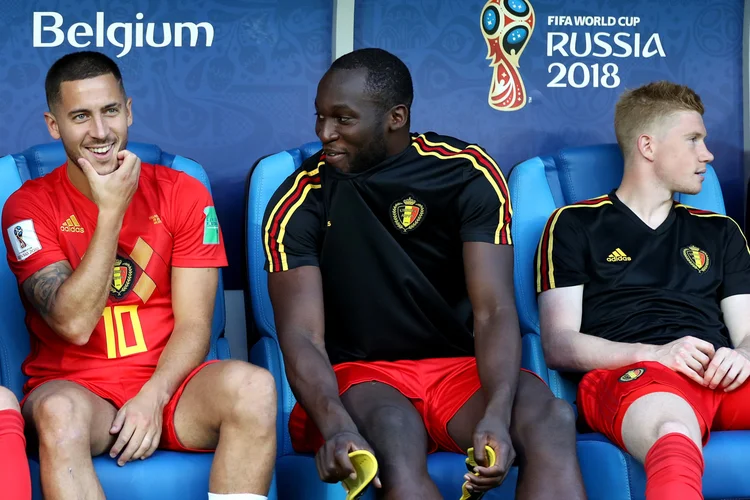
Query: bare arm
{"x": 730, "y": 368}
{"x": 497, "y": 337}
{"x": 193, "y": 297}
{"x": 297, "y": 298}
{"x": 566, "y": 348}
{"x": 71, "y": 302}
{"x": 138, "y": 422}
{"x": 735, "y": 310}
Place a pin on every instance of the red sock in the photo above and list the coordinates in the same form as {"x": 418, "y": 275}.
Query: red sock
{"x": 674, "y": 469}
{"x": 14, "y": 467}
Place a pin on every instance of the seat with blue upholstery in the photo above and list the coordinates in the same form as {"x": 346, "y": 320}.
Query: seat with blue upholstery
{"x": 166, "y": 474}
{"x": 298, "y": 476}
{"x": 537, "y": 187}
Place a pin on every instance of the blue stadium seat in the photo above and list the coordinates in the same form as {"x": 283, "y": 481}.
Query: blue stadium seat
{"x": 537, "y": 187}
{"x": 300, "y": 477}
{"x": 166, "y": 474}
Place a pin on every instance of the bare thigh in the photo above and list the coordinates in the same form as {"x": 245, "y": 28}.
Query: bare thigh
{"x": 227, "y": 390}
{"x": 655, "y": 415}
{"x": 391, "y": 425}
{"x": 67, "y": 403}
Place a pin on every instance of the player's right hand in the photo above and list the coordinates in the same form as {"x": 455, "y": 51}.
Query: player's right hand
{"x": 688, "y": 355}
{"x": 332, "y": 459}
{"x": 112, "y": 192}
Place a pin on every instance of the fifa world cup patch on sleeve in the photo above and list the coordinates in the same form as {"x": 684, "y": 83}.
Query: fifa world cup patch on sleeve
{"x": 631, "y": 375}
{"x": 23, "y": 239}
{"x": 210, "y": 227}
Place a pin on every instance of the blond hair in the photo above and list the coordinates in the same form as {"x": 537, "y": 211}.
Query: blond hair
{"x": 639, "y": 109}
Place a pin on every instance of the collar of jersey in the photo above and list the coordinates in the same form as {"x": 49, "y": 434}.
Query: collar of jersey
{"x": 623, "y": 208}
{"x": 81, "y": 200}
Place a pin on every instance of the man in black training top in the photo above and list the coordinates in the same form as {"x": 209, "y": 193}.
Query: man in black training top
{"x": 390, "y": 263}
{"x": 649, "y": 298}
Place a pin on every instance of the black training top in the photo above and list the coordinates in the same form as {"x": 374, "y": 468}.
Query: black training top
{"x": 642, "y": 284}
{"x": 388, "y": 242}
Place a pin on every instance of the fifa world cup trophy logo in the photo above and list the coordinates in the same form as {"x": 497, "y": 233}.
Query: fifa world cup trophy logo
{"x": 507, "y": 26}
{"x": 19, "y": 232}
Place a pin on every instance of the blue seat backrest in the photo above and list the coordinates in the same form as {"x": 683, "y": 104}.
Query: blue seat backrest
{"x": 540, "y": 185}
{"x": 265, "y": 178}
{"x": 36, "y": 162}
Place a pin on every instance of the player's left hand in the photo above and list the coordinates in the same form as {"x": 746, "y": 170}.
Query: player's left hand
{"x": 139, "y": 426}
{"x": 492, "y": 432}
{"x": 729, "y": 368}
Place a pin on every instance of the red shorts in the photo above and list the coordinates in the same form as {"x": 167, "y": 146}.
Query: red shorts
{"x": 437, "y": 388}
{"x": 118, "y": 392}
{"x": 605, "y": 395}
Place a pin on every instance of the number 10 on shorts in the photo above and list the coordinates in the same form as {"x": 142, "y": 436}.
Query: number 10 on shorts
{"x": 117, "y": 346}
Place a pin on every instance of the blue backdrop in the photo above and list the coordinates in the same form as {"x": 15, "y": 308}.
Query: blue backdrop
{"x": 442, "y": 43}
{"x": 247, "y": 95}
{"x": 250, "y": 92}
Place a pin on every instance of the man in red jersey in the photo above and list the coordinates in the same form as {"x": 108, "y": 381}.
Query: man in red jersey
{"x": 117, "y": 262}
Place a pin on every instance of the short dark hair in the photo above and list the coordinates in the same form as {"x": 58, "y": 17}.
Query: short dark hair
{"x": 78, "y": 66}
{"x": 388, "y": 79}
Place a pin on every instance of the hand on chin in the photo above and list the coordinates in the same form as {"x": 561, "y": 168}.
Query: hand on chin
{"x": 105, "y": 169}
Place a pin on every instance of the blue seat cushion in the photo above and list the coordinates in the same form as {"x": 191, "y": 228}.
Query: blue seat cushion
{"x": 725, "y": 476}
{"x": 164, "y": 475}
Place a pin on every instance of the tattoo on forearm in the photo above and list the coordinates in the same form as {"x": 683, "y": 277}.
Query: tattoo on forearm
{"x": 41, "y": 288}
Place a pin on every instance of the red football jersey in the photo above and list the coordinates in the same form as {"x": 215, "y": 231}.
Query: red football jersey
{"x": 171, "y": 221}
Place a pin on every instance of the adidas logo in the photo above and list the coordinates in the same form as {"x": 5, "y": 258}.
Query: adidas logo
{"x": 71, "y": 225}
{"x": 618, "y": 256}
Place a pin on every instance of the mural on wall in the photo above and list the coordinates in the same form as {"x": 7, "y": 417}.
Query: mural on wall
{"x": 507, "y": 26}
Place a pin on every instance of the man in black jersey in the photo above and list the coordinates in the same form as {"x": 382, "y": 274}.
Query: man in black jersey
{"x": 651, "y": 297}
{"x": 390, "y": 265}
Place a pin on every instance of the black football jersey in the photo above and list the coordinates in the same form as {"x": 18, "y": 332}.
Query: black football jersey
{"x": 642, "y": 284}
{"x": 389, "y": 242}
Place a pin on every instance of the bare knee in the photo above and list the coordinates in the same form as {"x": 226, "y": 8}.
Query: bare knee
{"x": 61, "y": 421}
{"x": 558, "y": 414}
{"x": 251, "y": 393}
{"x": 670, "y": 426}
{"x": 8, "y": 400}
{"x": 545, "y": 421}
{"x": 655, "y": 415}
{"x": 389, "y": 417}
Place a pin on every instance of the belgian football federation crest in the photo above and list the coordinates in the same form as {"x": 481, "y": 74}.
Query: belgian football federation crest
{"x": 122, "y": 277}
{"x": 407, "y": 214}
{"x": 697, "y": 258}
{"x": 631, "y": 375}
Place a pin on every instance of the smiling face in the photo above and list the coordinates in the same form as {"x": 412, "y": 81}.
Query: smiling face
{"x": 92, "y": 118}
{"x": 680, "y": 152}
{"x": 350, "y": 124}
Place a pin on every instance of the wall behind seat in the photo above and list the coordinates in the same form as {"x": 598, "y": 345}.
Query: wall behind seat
{"x": 443, "y": 44}
{"x": 247, "y": 95}
{"x": 251, "y": 92}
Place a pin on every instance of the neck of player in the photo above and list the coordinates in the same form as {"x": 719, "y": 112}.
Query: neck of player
{"x": 645, "y": 197}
